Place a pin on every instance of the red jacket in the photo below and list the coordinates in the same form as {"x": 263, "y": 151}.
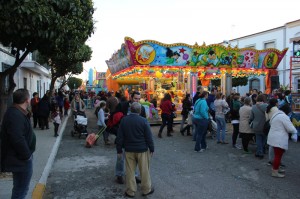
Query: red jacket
{"x": 66, "y": 104}
{"x": 166, "y": 107}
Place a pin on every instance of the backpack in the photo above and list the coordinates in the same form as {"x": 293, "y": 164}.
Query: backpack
{"x": 113, "y": 122}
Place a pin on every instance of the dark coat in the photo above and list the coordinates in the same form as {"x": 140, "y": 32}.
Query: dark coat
{"x": 44, "y": 108}
{"x": 196, "y": 97}
{"x": 186, "y": 107}
{"x": 234, "y": 110}
{"x": 17, "y": 140}
{"x": 134, "y": 135}
{"x": 60, "y": 100}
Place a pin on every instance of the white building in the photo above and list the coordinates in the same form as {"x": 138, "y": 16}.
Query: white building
{"x": 29, "y": 75}
{"x": 279, "y": 38}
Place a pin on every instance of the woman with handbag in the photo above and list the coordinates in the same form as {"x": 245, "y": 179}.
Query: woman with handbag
{"x": 220, "y": 106}
{"x": 200, "y": 120}
{"x": 166, "y": 115}
{"x": 278, "y": 138}
{"x": 271, "y": 110}
{"x": 244, "y": 128}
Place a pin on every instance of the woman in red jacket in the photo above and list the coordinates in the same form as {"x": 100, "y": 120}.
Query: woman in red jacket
{"x": 166, "y": 114}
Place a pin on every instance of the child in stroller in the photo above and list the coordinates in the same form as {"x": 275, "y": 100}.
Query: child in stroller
{"x": 80, "y": 124}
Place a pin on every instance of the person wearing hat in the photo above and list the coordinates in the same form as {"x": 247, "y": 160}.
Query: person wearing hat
{"x": 34, "y": 108}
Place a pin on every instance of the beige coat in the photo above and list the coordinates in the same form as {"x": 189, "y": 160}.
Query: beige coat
{"x": 245, "y": 112}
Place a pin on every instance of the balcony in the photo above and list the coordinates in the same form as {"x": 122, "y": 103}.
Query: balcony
{"x": 35, "y": 67}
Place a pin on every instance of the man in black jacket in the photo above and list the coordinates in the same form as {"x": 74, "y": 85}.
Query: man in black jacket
{"x": 18, "y": 143}
{"x": 135, "y": 136}
{"x": 125, "y": 106}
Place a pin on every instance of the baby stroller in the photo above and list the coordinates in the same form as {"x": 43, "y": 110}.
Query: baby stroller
{"x": 80, "y": 125}
{"x": 212, "y": 127}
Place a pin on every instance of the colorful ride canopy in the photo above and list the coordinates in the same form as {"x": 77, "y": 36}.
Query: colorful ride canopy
{"x": 151, "y": 53}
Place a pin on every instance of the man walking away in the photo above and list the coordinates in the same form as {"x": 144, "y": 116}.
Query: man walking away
{"x": 135, "y": 136}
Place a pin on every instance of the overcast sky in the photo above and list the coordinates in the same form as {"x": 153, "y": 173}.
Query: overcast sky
{"x": 184, "y": 21}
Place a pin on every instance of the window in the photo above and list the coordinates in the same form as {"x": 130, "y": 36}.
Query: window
{"x": 44, "y": 87}
{"x": 269, "y": 44}
{"x": 255, "y": 84}
{"x": 298, "y": 87}
{"x": 38, "y": 85}
{"x": 296, "y": 48}
{"x": 25, "y": 82}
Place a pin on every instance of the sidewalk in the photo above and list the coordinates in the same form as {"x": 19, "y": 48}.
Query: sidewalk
{"x": 46, "y": 149}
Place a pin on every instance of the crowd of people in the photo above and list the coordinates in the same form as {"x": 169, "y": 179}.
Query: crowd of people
{"x": 255, "y": 117}
{"x": 248, "y": 115}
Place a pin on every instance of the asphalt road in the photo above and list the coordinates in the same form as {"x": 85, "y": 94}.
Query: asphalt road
{"x": 177, "y": 171}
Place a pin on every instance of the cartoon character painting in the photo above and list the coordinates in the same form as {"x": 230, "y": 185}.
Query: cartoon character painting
{"x": 226, "y": 59}
{"x": 212, "y": 57}
{"x": 145, "y": 54}
{"x": 172, "y": 57}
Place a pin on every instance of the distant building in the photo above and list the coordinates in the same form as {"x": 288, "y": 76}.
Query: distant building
{"x": 96, "y": 81}
{"x": 286, "y": 36}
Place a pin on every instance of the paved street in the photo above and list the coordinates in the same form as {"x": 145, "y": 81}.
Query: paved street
{"x": 177, "y": 171}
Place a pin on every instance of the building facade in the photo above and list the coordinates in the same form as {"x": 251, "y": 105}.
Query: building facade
{"x": 29, "y": 75}
{"x": 281, "y": 37}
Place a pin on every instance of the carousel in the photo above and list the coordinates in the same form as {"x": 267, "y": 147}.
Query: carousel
{"x": 158, "y": 68}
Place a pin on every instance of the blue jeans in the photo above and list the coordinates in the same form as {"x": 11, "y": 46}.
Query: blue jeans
{"x": 120, "y": 166}
{"x": 201, "y": 130}
{"x": 194, "y": 132}
{"x": 21, "y": 181}
{"x": 221, "y": 123}
{"x": 260, "y": 143}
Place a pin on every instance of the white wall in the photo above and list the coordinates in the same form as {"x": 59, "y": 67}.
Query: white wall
{"x": 6, "y": 58}
{"x": 293, "y": 31}
{"x": 32, "y": 78}
{"x": 281, "y": 36}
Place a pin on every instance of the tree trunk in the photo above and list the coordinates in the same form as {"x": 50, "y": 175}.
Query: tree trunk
{"x": 63, "y": 83}
{"x": 53, "y": 79}
{"x": 6, "y": 93}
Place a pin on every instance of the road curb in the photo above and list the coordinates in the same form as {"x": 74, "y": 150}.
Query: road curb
{"x": 38, "y": 191}
{"x": 40, "y": 187}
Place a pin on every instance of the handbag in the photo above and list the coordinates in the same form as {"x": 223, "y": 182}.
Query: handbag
{"x": 226, "y": 110}
{"x": 190, "y": 118}
{"x": 251, "y": 125}
{"x": 267, "y": 127}
{"x": 174, "y": 114}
